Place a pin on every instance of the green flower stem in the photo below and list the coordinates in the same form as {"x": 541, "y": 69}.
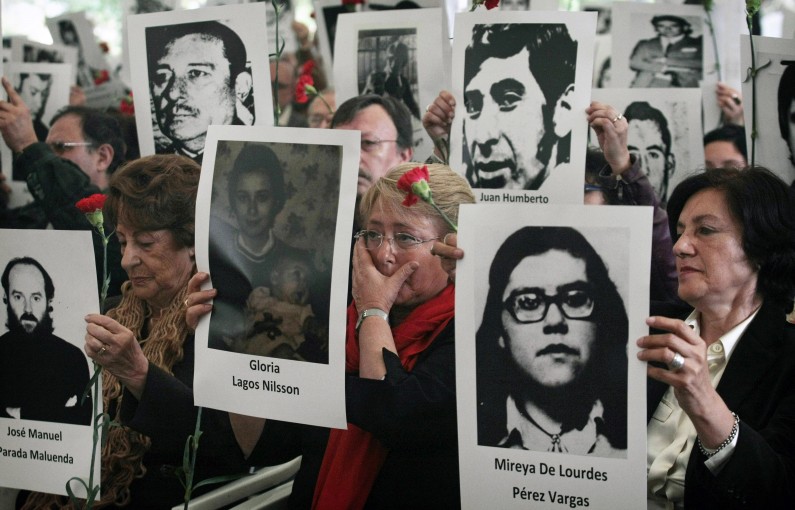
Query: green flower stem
{"x": 91, "y": 497}
{"x": 191, "y": 452}
{"x": 443, "y": 215}
{"x": 100, "y": 420}
{"x": 749, "y": 20}
{"x": 277, "y": 110}
{"x": 320, "y": 96}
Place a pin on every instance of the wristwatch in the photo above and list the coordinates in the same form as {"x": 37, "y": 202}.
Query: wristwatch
{"x": 371, "y": 312}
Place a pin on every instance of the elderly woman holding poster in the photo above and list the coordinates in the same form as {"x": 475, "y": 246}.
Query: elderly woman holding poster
{"x": 721, "y": 432}
{"x": 400, "y": 449}
{"x": 146, "y": 348}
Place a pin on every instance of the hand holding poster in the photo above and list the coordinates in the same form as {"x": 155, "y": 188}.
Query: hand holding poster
{"x": 548, "y": 302}
{"x": 275, "y": 208}
{"x": 49, "y": 285}
{"x": 520, "y": 81}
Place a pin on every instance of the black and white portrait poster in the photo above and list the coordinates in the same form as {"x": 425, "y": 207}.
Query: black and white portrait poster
{"x": 380, "y": 53}
{"x": 664, "y": 132}
{"x": 74, "y": 29}
{"x": 549, "y": 302}
{"x": 522, "y": 82}
{"x": 139, "y": 7}
{"x": 286, "y": 17}
{"x": 196, "y": 68}
{"x": 273, "y": 229}
{"x": 668, "y": 46}
{"x": 49, "y": 286}
{"x": 603, "y": 42}
{"x": 25, "y": 50}
{"x": 774, "y": 104}
{"x": 45, "y": 90}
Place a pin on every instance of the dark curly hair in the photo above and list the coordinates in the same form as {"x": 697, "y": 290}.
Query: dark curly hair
{"x": 156, "y": 193}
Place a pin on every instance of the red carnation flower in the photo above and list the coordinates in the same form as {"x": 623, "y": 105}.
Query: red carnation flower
{"x": 304, "y": 88}
{"x": 491, "y": 4}
{"x": 91, "y": 203}
{"x": 407, "y": 181}
{"x": 308, "y": 67}
{"x": 127, "y": 106}
{"x": 101, "y": 77}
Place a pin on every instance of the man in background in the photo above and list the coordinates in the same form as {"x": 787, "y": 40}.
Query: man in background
{"x": 320, "y": 113}
{"x": 385, "y": 124}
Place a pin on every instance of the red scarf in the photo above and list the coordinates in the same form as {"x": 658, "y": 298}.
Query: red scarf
{"x": 354, "y": 457}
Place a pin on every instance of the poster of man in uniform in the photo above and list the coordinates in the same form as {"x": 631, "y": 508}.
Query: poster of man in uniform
{"x": 49, "y": 286}
{"x": 273, "y": 232}
{"x": 385, "y": 50}
{"x": 522, "y": 81}
{"x": 196, "y": 68}
{"x": 549, "y": 303}
{"x": 775, "y": 103}
{"x": 669, "y": 46}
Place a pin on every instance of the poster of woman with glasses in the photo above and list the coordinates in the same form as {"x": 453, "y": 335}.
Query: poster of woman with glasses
{"x": 550, "y": 304}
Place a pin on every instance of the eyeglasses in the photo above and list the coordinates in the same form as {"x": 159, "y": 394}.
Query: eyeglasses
{"x": 61, "y": 147}
{"x": 401, "y": 240}
{"x": 528, "y": 306}
{"x": 371, "y": 145}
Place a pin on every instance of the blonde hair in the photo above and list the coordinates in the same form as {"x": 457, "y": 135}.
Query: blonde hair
{"x": 448, "y": 189}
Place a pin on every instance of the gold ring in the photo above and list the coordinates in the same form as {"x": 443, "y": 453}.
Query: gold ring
{"x": 619, "y": 117}
{"x": 102, "y": 351}
{"x": 185, "y": 302}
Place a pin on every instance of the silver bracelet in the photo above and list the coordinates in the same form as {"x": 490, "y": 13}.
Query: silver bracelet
{"x": 726, "y": 442}
{"x": 371, "y": 312}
